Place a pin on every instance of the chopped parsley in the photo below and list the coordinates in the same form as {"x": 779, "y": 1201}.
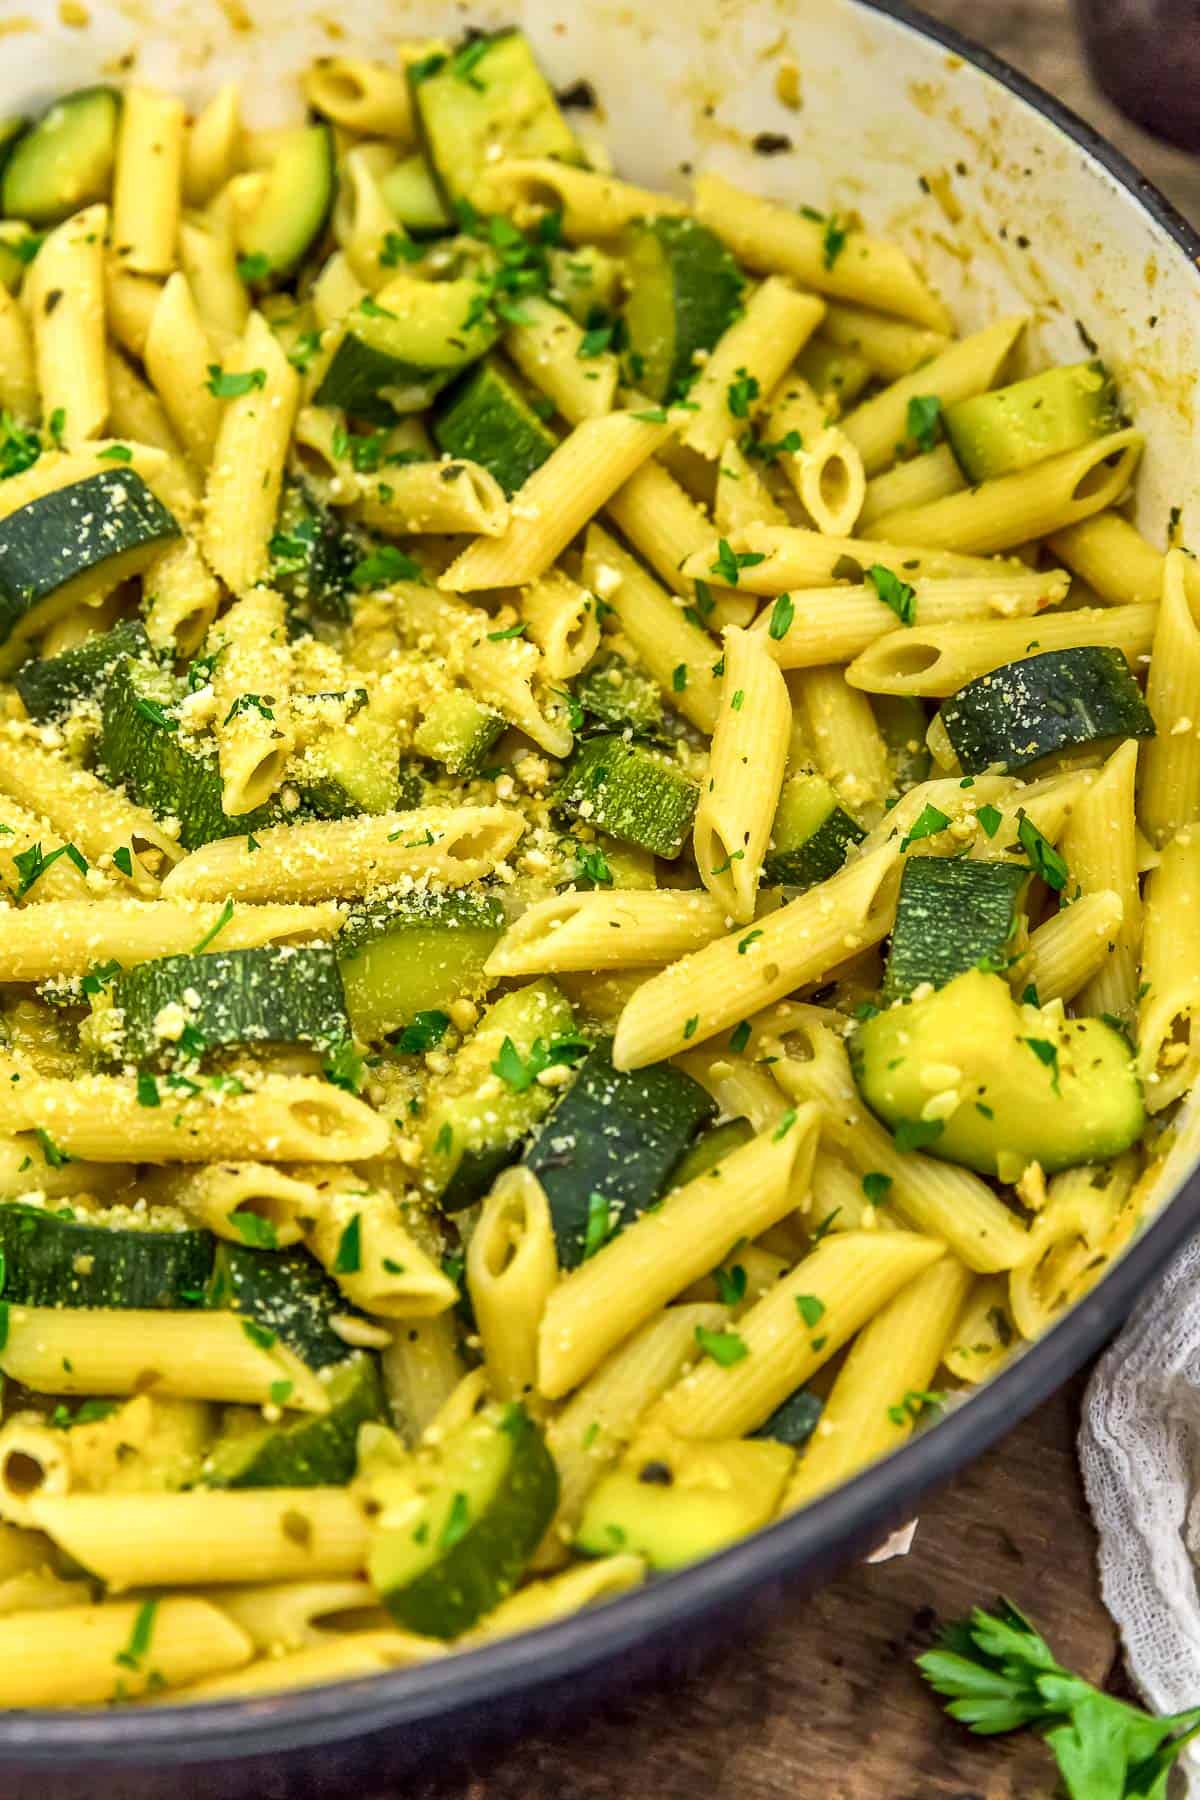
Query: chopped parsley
{"x": 782, "y": 614}
{"x": 458, "y": 1521}
{"x": 280, "y": 1392}
{"x": 724, "y": 1347}
{"x": 990, "y": 817}
{"x": 56, "y": 1158}
{"x": 1044, "y": 858}
{"x": 147, "y": 1089}
{"x": 1046, "y": 1053}
{"x": 915, "y": 1134}
{"x": 343, "y": 1067}
{"x": 730, "y": 563}
{"x": 384, "y": 564}
{"x": 32, "y": 864}
{"x": 139, "y": 1638}
{"x": 231, "y": 384}
{"x": 600, "y": 1224}
{"x": 348, "y": 1259}
{"x": 261, "y": 1336}
{"x": 424, "y": 1031}
{"x": 123, "y": 859}
{"x": 739, "y": 1037}
{"x": 254, "y": 1230}
{"x": 512, "y": 631}
{"x": 398, "y": 248}
{"x": 833, "y": 242}
{"x": 923, "y": 420}
{"x": 901, "y": 596}
{"x": 115, "y": 453}
{"x": 915, "y": 1402}
{"x": 254, "y": 267}
{"x": 875, "y": 1185}
{"x": 928, "y": 823}
{"x": 810, "y": 1308}
{"x": 741, "y": 393}
{"x": 679, "y": 675}
{"x": 19, "y": 448}
{"x": 731, "y": 1285}
{"x": 218, "y": 925}
{"x": 259, "y": 703}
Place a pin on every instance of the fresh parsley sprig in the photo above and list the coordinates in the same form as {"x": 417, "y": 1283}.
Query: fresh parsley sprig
{"x": 998, "y": 1674}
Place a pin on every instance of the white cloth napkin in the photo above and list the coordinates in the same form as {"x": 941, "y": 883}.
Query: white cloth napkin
{"x": 1139, "y": 1448}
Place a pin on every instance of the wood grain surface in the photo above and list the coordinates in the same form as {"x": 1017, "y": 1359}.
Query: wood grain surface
{"x": 826, "y": 1704}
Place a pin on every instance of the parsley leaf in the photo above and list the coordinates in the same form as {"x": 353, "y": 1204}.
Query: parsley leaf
{"x": 31, "y": 864}
{"x": 999, "y": 1675}
{"x": 742, "y": 391}
{"x": 782, "y": 614}
{"x": 928, "y": 823}
{"x": 56, "y": 1158}
{"x": 901, "y": 596}
{"x": 834, "y": 241}
{"x": 501, "y": 637}
{"x": 725, "y": 1347}
{"x": 990, "y": 818}
{"x": 600, "y": 1224}
{"x": 19, "y": 448}
{"x": 382, "y": 565}
{"x": 398, "y": 248}
{"x": 915, "y": 1134}
{"x": 731, "y": 1285}
{"x": 1044, "y": 857}
{"x": 923, "y": 420}
{"x": 255, "y": 267}
{"x": 424, "y": 1031}
{"x": 115, "y": 453}
{"x": 229, "y": 384}
{"x": 348, "y": 1259}
{"x": 254, "y": 1230}
{"x": 729, "y": 562}
{"x": 147, "y": 1089}
{"x": 810, "y": 1308}
{"x": 915, "y": 1402}
{"x": 458, "y": 1520}
{"x": 218, "y": 925}
{"x": 343, "y": 1067}
{"x": 1047, "y": 1053}
{"x": 875, "y": 1185}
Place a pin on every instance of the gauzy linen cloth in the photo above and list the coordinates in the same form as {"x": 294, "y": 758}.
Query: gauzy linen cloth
{"x": 1139, "y": 1449}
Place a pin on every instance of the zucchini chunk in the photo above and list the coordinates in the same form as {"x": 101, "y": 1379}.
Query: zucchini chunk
{"x": 707, "y": 1150}
{"x": 458, "y": 732}
{"x": 287, "y": 1292}
{"x": 55, "y": 1259}
{"x": 415, "y": 954}
{"x": 412, "y": 196}
{"x": 465, "y": 1524}
{"x": 810, "y": 835}
{"x": 310, "y": 1451}
{"x": 1056, "y": 701}
{"x": 795, "y": 1421}
{"x": 65, "y": 160}
{"x": 952, "y": 914}
{"x": 1027, "y": 1083}
{"x": 491, "y": 1100}
{"x": 631, "y": 792}
{"x": 902, "y": 725}
{"x": 614, "y": 1134}
{"x": 312, "y": 556}
{"x": 50, "y": 686}
{"x": 295, "y": 205}
{"x": 673, "y": 1501}
{"x": 410, "y": 343}
{"x": 56, "y": 550}
{"x": 1010, "y": 428}
{"x": 485, "y": 101}
{"x": 485, "y": 418}
{"x": 353, "y": 767}
{"x": 140, "y": 751}
{"x": 179, "y": 1009}
{"x": 617, "y": 694}
{"x": 685, "y": 290}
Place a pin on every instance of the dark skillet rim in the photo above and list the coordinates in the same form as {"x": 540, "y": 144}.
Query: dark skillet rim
{"x": 826, "y": 1531}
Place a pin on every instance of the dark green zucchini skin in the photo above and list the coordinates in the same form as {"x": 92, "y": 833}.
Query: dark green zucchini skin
{"x": 312, "y": 557}
{"x": 50, "y": 686}
{"x": 629, "y": 792}
{"x": 312, "y": 1451}
{"x": 1058, "y": 700}
{"x": 616, "y": 696}
{"x": 287, "y": 1292}
{"x": 952, "y": 915}
{"x": 108, "y": 523}
{"x": 686, "y": 290}
{"x": 485, "y": 418}
{"x": 795, "y": 1421}
{"x": 139, "y": 750}
{"x": 267, "y": 995}
{"x": 52, "y": 1259}
{"x": 617, "y": 1133}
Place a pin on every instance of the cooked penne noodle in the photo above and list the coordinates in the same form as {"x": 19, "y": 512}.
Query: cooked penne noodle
{"x": 66, "y": 300}
{"x": 1167, "y": 1034}
{"x": 547, "y": 346}
{"x": 1169, "y": 776}
{"x": 657, "y": 627}
{"x": 64, "y": 936}
{"x": 512, "y": 1266}
{"x": 767, "y": 236}
{"x": 1069, "y": 949}
{"x": 337, "y": 858}
{"x": 246, "y": 473}
{"x": 251, "y": 684}
{"x": 620, "y": 930}
{"x": 930, "y": 476}
{"x": 940, "y": 659}
{"x": 781, "y": 557}
{"x": 1112, "y": 556}
{"x": 1099, "y": 844}
{"x": 80, "y": 1655}
{"x": 966, "y": 367}
{"x": 725, "y": 982}
{"x": 745, "y": 773}
{"x": 757, "y": 349}
{"x": 561, "y": 619}
{"x": 891, "y": 346}
{"x": 147, "y": 181}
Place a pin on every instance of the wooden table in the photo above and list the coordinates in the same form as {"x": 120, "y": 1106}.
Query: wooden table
{"x": 826, "y": 1705}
